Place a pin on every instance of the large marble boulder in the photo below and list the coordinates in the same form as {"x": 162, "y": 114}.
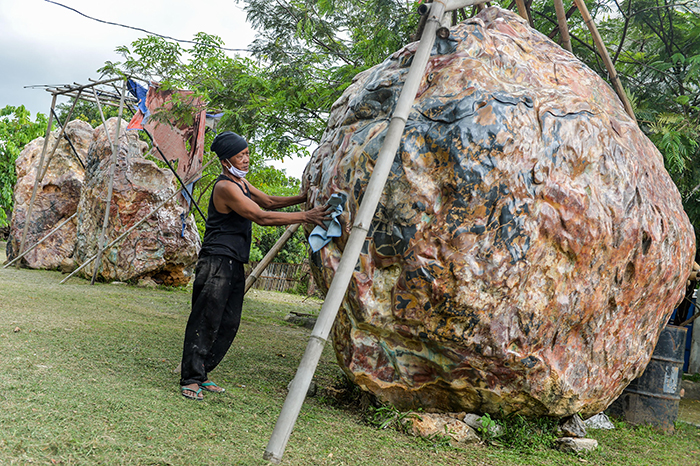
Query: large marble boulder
{"x": 529, "y": 245}
{"x": 56, "y": 200}
{"x": 160, "y": 248}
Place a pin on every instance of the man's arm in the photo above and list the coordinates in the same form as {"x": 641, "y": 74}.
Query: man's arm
{"x": 268, "y": 202}
{"x": 228, "y": 197}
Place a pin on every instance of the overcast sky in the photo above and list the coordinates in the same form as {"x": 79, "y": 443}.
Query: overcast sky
{"x": 44, "y": 43}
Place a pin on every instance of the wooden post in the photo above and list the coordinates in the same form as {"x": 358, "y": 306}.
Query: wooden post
{"x": 271, "y": 254}
{"x": 115, "y": 149}
{"x": 36, "y": 180}
{"x": 563, "y": 27}
{"x": 614, "y": 78}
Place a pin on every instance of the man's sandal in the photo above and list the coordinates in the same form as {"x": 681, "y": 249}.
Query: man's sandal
{"x": 197, "y": 393}
{"x": 212, "y": 387}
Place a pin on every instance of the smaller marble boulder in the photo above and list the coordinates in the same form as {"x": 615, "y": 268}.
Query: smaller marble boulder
{"x": 165, "y": 247}
{"x": 57, "y": 197}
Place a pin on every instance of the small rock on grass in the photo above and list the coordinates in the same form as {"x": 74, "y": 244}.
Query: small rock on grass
{"x": 573, "y": 427}
{"x": 576, "y": 445}
{"x": 428, "y": 425}
{"x": 599, "y": 421}
{"x": 476, "y": 422}
{"x": 146, "y": 282}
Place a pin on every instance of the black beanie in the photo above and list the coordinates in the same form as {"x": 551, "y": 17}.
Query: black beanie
{"x": 228, "y": 144}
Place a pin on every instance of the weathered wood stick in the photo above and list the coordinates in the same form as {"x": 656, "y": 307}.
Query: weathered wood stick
{"x": 522, "y": 10}
{"x": 271, "y": 254}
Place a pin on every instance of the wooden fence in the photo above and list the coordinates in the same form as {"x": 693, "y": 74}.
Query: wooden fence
{"x": 280, "y": 276}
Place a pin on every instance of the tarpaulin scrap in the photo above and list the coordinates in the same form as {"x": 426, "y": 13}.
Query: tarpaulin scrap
{"x": 177, "y": 140}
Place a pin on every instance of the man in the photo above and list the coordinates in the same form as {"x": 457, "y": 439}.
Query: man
{"x": 217, "y": 295}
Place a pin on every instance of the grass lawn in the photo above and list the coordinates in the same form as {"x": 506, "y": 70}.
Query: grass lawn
{"x": 87, "y": 378}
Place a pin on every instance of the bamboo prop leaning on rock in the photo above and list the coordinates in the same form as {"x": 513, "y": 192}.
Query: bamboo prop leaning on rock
{"x": 563, "y": 26}
{"x": 70, "y": 143}
{"x": 116, "y": 146}
{"x": 271, "y": 254}
{"x": 133, "y": 227}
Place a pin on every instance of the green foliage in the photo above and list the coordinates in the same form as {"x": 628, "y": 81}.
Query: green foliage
{"x": 16, "y": 130}
{"x": 386, "y": 416}
{"x": 488, "y": 427}
{"x": 528, "y": 435}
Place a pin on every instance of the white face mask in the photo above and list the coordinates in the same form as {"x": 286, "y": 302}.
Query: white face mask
{"x": 236, "y": 172}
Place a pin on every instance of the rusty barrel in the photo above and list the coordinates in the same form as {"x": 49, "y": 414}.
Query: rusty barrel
{"x": 654, "y": 397}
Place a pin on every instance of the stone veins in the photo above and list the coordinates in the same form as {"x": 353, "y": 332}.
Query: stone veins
{"x": 160, "y": 248}
{"x": 57, "y": 197}
{"x": 529, "y": 245}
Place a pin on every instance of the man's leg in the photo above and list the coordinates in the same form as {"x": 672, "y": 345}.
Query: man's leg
{"x": 209, "y": 295}
{"x": 230, "y": 320}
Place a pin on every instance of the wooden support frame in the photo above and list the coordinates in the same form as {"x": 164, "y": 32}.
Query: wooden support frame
{"x": 76, "y": 92}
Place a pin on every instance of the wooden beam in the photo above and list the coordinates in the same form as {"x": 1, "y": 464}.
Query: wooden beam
{"x": 271, "y": 254}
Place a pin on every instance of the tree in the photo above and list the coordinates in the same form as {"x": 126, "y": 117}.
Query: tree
{"x": 238, "y": 88}
{"x": 307, "y": 52}
{"x": 657, "y": 53}
{"x": 16, "y": 130}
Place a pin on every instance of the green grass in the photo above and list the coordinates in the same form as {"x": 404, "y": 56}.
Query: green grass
{"x": 88, "y": 379}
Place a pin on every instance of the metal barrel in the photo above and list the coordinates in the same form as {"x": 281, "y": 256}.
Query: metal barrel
{"x": 654, "y": 397}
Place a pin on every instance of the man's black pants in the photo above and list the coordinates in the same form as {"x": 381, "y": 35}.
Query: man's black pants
{"x": 217, "y": 299}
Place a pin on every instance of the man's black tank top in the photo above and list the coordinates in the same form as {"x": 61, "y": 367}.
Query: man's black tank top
{"x": 227, "y": 234}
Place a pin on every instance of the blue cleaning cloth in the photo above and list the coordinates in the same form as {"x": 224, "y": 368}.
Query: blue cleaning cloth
{"x": 320, "y": 236}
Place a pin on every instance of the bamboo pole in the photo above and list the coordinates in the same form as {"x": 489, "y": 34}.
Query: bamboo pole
{"x": 614, "y": 78}
{"x": 522, "y": 10}
{"x": 563, "y": 26}
{"x": 271, "y": 254}
{"x": 132, "y": 228}
{"x": 336, "y": 293}
{"x": 115, "y": 148}
{"x": 40, "y": 241}
{"x": 25, "y": 229}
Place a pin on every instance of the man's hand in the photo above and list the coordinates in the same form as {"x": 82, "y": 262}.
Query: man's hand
{"x": 318, "y": 215}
